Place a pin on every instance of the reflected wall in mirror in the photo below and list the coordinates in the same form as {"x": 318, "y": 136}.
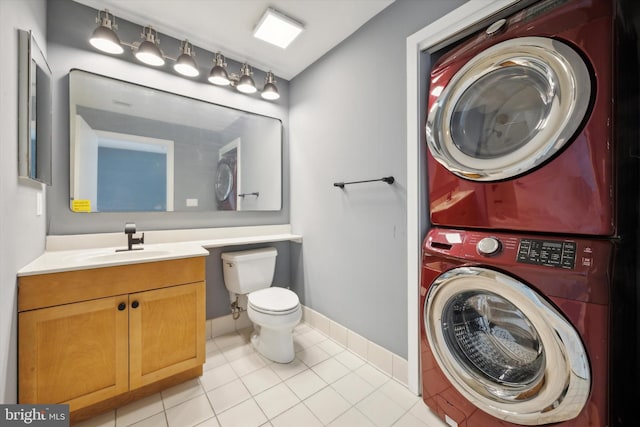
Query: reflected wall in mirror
{"x": 34, "y": 111}
{"x": 135, "y": 148}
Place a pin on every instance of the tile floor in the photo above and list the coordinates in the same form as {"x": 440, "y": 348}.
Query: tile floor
{"x": 325, "y": 385}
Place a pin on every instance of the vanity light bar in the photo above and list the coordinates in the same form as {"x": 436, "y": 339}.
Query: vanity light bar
{"x": 105, "y": 39}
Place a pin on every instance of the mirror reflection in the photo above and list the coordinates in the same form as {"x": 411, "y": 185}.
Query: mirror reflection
{"x": 134, "y": 148}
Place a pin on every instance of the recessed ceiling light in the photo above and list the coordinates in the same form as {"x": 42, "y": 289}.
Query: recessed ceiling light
{"x": 277, "y": 28}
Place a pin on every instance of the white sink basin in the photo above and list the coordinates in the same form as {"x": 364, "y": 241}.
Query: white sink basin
{"x": 111, "y": 256}
{"x": 123, "y": 255}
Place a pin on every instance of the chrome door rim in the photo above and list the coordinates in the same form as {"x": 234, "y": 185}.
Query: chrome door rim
{"x": 567, "y": 379}
{"x": 224, "y": 182}
{"x": 569, "y": 82}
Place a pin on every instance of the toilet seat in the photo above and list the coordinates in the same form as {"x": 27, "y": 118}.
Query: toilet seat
{"x": 274, "y": 301}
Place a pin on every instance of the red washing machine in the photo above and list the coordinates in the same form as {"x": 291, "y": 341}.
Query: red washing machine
{"x": 515, "y": 328}
{"x": 227, "y": 181}
{"x": 519, "y": 127}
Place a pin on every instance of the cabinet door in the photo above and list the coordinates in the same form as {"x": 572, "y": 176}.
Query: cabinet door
{"x": 167, "y": 328}
{"x": 74, "y": 353}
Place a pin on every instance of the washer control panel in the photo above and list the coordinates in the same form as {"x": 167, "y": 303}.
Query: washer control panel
{"x": 488, "y": 246}
{"x": 551, "y": 253}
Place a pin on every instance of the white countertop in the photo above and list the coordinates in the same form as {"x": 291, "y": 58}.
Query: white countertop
{"x": 85, "y": 251}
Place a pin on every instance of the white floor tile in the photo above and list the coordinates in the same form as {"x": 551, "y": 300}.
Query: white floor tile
{"x": 276, "y": 400}
{"x": 211, "y": 422}
{"x": 214, "y": 359}
{"x": 139, "y": 410}
{"x": 157, "y": 420}
{"x": 108, "y": 419}
{"x": 424, "y": 414}
{"x": 298, "y": 416}
{"x": 190, "y": 413}
{"x": 287, "y": 370}
{"x": 302, "y": 328}
{"x": 349, "y": 360}
{"x": 260, "y": 380}
{"x": 353, "y": 388}
{"x": 352, "y": 418}
{"x": 330, "y": 370}
{"x": 308, "y": 339}
{"x": 327, "y": 405}
{"x": 228, "y": 395}
{"x": 305, "y": 384}
{"x": 408, "y": 420}
{"x": 211, "y": 347}
{"x": 246, "y": 414}
{"x": 235, "y": 352}
{"x": 371, "y": 375}
{"x": 325, "y": 385}
{"x": 181, "y": 393}
{"x": 380, "y": 409}
{"x": 247, "y": 364}
{"x": 331, "y": 347}
{"x": 231, "y": 339}
{"x": 312, "y": 355}
{"x": 216, "y": 377}
{"x": 399, "y": 394}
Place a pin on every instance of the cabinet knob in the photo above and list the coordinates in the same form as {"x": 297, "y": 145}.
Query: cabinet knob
{"x": 122, "y": 306}
{"x": 135, "y": 304}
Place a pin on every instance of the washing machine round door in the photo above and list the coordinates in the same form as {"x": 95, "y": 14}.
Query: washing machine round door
{"x": 224, "y": 181}
{"x": 509, "y": 109}
{"x": 505, "y": 348}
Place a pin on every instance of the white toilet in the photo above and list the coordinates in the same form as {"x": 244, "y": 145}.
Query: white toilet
{"x": 274, "y": 311}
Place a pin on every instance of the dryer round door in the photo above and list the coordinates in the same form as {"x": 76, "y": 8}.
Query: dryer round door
{"x": 505, "y": 348}
{"x": 509, "y": 109}
{"x": 224, "y": 181}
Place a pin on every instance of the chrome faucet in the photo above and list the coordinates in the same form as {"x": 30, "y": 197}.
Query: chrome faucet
{"x": 130, "y": 230}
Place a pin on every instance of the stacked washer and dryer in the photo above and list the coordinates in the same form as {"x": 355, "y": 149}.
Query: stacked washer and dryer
{"x": 517, "y": 280}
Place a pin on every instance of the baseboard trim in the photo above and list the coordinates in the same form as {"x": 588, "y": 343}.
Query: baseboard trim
{"x": 388, "y": 362}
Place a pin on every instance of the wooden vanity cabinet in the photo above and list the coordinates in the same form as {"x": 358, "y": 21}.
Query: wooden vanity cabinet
{"x": 98, "y": 338}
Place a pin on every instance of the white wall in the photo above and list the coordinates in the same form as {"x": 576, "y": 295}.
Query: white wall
{"x": 22, "y": 233}
{"x": 348, "y": 122}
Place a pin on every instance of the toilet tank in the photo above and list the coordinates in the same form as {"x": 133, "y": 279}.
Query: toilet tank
{"x": 248, "y": 271}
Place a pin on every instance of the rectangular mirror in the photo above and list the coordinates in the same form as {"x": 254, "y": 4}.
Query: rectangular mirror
{"x": 34, "y": 111}
{"x": 135, "y": 148}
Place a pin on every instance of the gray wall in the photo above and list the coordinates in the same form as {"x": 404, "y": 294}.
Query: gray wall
{"x": 22, "y": 233}
{"x": 348, "y": 122}
{"x": 69, "y": 27}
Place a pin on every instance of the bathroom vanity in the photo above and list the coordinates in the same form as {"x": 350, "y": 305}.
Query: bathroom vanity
{"x": 97, "y": 338}
{"x": 99, "y": 327}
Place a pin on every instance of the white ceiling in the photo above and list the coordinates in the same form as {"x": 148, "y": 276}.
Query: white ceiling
{"x": 227, "y": 26}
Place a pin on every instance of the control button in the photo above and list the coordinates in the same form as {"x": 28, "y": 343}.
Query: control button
{"x": 488, "y": 246}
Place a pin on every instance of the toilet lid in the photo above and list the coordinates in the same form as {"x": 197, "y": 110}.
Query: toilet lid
{"x": 274, "y": 299}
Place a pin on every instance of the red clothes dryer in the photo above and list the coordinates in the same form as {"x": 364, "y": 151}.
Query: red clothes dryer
{"x": 520, "y": 122}
{"x": 515, "y": 329}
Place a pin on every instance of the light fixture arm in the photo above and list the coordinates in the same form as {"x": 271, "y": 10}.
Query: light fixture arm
{"x": 105, "y": 21}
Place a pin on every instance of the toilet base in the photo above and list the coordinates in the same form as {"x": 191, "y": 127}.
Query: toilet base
{"x": 275, "y": 345}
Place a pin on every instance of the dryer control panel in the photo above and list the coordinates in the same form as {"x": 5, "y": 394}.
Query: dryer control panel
{"x": 553, "y": 253}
